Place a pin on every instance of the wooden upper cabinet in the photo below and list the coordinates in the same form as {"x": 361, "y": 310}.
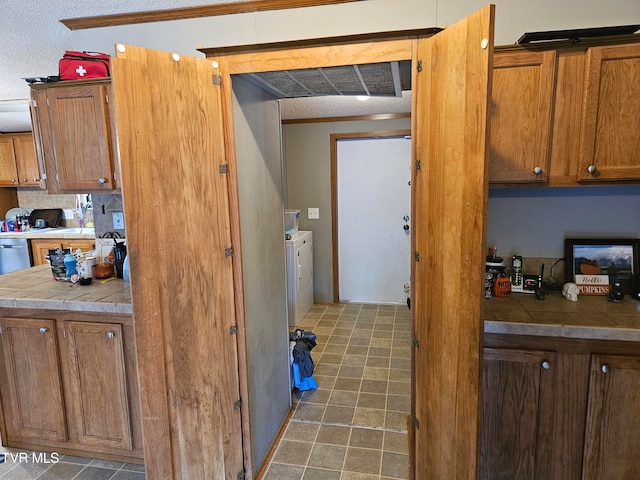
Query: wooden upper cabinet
{"x": 34, "y": 407}
{"x": 8, "y": 171}
{"x": 612, "y": 437}
{"x": 75, "y": 131}
{"x": 18, "y": 161}
{"x": 521, "y": 107}
{"x": 610, "y": 139}
{"x": 26, "y": 160}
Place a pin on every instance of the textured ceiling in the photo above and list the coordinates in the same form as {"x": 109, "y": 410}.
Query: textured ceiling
{"x": 33, "y": 41}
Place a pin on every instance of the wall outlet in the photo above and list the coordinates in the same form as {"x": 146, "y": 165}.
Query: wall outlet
{"x": 67, "y": 213}
{"x": 313, "y": 214}
{"x": 118, "y": 220}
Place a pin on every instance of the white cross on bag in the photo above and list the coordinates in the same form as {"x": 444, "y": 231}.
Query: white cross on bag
{"x": 81, "y": 71}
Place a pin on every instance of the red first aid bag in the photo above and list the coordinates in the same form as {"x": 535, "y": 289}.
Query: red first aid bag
{"x": 81, "y": 65}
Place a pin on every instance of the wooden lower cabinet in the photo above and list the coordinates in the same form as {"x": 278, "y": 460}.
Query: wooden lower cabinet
{"x": 612, "y": 437}
{"x": 97, "y": 385}
{"x": 68, "y": 384}
{"x": 518, "y": 409}
{"x": 32, "y": 384}
{"x": 40, "y": 247}
{"x": 567, "y": 410}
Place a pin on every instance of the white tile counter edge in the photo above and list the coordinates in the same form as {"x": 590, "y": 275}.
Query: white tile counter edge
{"x": 540, "y": 330}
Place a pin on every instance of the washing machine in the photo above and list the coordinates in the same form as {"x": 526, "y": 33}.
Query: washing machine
{"x": 299, "y": 276}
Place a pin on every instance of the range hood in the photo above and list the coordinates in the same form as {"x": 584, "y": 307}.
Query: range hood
{"x": 15, "y": 116}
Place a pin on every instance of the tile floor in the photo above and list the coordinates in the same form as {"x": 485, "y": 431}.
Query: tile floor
{"x": 15, "y": 467}
{"x": 353, "y": 427}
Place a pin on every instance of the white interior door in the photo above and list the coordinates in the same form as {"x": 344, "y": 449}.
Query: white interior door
{"x": 374, "y": 196}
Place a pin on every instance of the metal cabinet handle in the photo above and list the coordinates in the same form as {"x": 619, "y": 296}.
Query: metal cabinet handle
{"x": 110, "y": 334}
{"x": 545, "y": 365}
{"x": 537, "y": 171}
{"x": 43, "y": 330}
{"x": 592, "y": 169}
{"x": 102, "y": 180}
{"x": 24, "y": 180}
{"x": 605, "y": 368}
{"x": 13, "y": 180}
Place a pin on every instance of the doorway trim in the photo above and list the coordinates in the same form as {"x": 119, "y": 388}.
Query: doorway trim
{"x": 334, "y": 138}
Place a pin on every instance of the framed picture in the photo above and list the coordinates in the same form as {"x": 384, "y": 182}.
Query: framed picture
{"x": 595, "y": 264}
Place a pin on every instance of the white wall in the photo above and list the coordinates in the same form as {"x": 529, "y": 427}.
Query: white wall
{"x": 513, "y": 18}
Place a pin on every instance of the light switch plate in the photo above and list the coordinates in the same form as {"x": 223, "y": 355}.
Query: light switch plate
{"x": 67, "y": 213}
{"x": 118, "y": 220}
{"x": 313, "y": 214}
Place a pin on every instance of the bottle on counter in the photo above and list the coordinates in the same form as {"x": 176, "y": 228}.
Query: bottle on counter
{"x": 70, "y": 263}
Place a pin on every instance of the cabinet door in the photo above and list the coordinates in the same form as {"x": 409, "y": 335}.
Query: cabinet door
{"x": 83, "y": 245}
{"x": 8, "y": 172}
{"x": 33, "y": 399}
{"x": 40, "y": 249}
{"x": 26, "y": 160}
{"x": 80, "y": 130}
{"x": 98, "y": 385}
{"x": 610, "y": 135}
{"x": 519, "y": 135}
{"x": 612, "y": 437}
{"x": 518, "y": 409}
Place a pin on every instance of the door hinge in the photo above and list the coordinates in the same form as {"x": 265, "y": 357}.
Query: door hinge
{"x": 419, "y": 66}
{"x": 416, "y": 342}
{"x": 106, "y": 97}
{"x": 0, "y": 330}
{"x": 223, "y": 168}
{"x": 228, "y": 252}
{"x": 415, "y": 422}
{"x": 237, "y": 404}
{"x": 418, "y": 164}
{"x": 417, "y": 256}
{"x": 216, "y": 79}
{"x": 34, "y": 103}
{"x": 233, "y": 330}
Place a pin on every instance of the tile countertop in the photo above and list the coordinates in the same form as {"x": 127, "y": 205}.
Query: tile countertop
{"x": 591, "y": 317}
{"x": 36, "y": 288}
{"x": 73, "y": 233}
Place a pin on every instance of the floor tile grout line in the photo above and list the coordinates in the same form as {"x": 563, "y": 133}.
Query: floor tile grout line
{"x": 348, "y": 425}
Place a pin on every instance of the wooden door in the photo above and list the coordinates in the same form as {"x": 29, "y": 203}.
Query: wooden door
{"x": 517, "y": 414}
{"x": 521, "y": 106}
{"x": 610, "y": 124}
{"x": 33, "y": 400}
{"x": 612, "y": 437}
{"x": 449, "y": 199}
{"x": 26, "y": 160}
{"x": 97, "y": 385}
{"x": 172, "y": 153}
{"x": 8, "y": 172}
{"x": 79, "y": 123}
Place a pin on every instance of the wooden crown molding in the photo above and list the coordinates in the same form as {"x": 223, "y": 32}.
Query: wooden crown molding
{"x": 247, "y": 6}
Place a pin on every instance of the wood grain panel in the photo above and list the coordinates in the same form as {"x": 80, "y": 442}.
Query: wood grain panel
{"x": 26, "y": 160}
{"x": 231, "y": 8}
{"x": 170, "y": 130}
{"x": 451, "y": 107}
{"x": 335, "y": 52}
{"x": 8, "y": 172}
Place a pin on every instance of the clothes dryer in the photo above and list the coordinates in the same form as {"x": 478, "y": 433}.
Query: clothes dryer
{"x": 299, "y": 276}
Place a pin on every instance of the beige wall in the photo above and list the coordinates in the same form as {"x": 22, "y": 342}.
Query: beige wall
{"x": 513, "y": 18}
{"x": 307, "y": 158}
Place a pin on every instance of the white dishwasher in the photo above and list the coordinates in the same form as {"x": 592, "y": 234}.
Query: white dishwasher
{"x": 299, "y": 276}
{"x": 14, "y": 254}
